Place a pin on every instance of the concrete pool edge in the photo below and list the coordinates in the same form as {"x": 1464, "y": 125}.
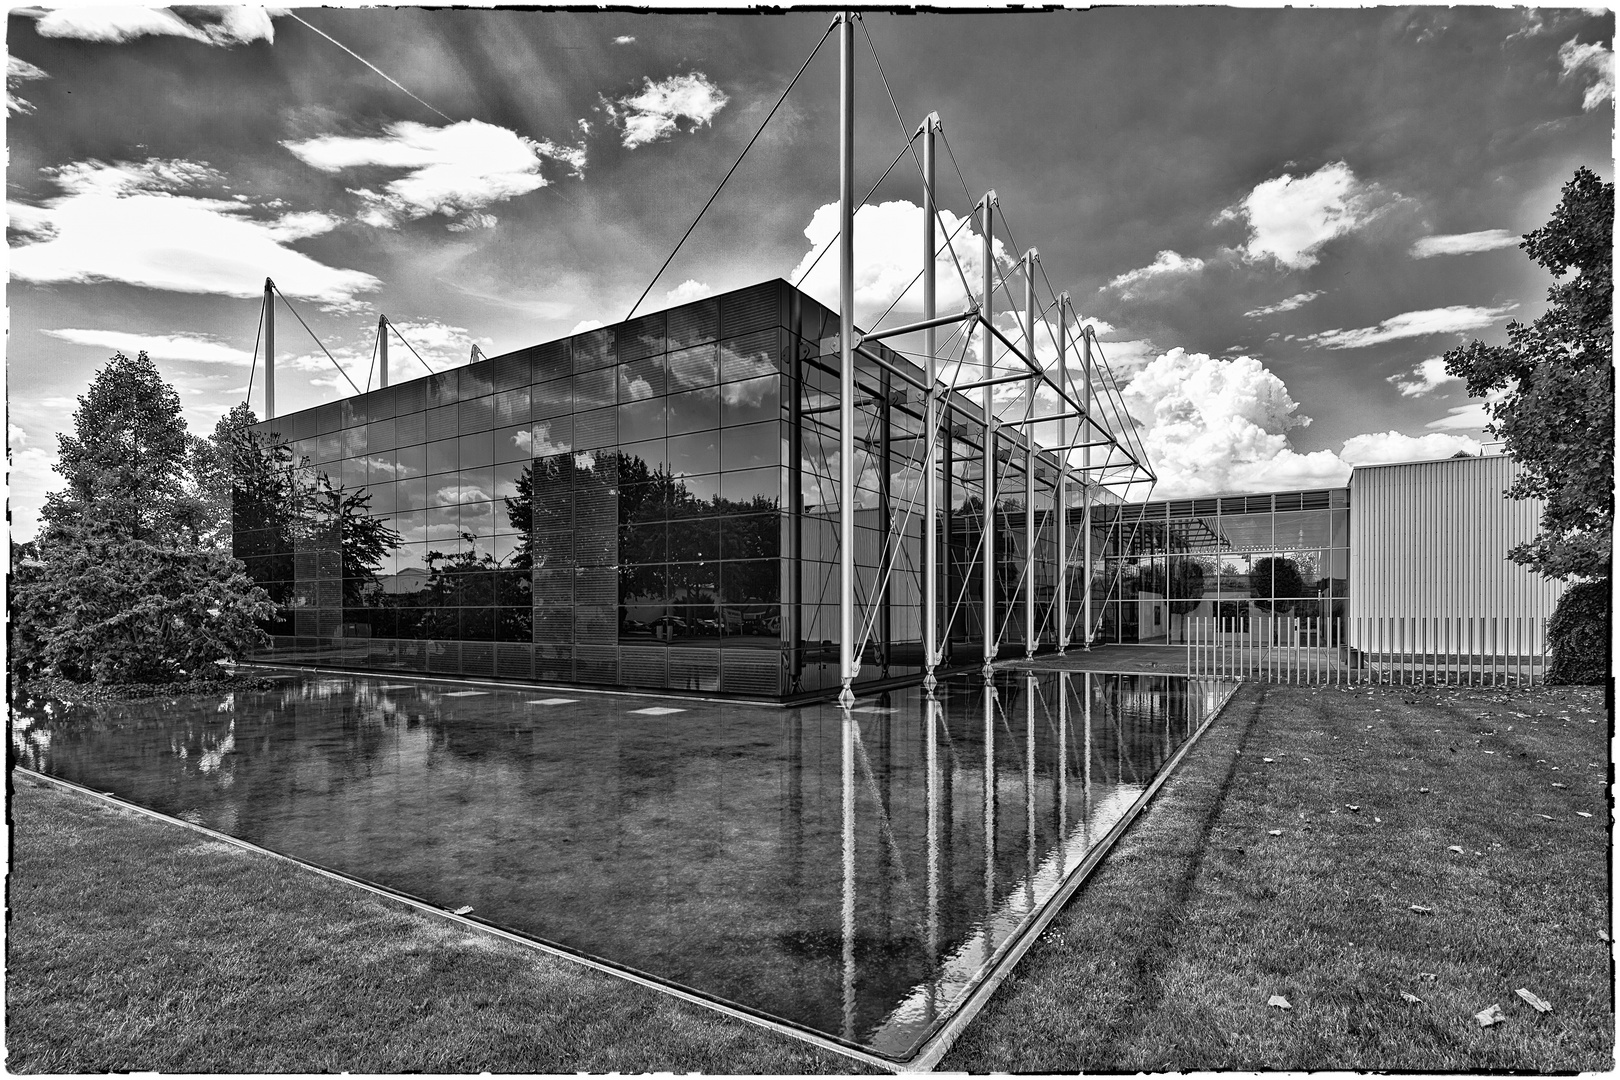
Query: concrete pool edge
{"x": 711, "y": 1004}
{"x": 921, "y": 1056}
{"x": 936, "y": 1046}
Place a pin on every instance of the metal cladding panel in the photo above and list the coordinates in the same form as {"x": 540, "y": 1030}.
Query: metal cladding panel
{"x": 1429, "y": 540}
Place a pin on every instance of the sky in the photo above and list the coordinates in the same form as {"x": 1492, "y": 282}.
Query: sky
{"x": 1277, "y": 221}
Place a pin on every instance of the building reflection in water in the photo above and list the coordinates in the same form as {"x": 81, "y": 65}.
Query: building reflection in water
{"x": 855, "y": 873}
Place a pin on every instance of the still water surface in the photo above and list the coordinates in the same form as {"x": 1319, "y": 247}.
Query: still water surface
{"x": 855, "y": 874}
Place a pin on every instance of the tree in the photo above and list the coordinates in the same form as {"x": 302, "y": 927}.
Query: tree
{"x": 1276, "y": 585}
{"x": 126, "y": 582}
{"x": 1182, "y": 585}
{"x": 1553, "y": 388}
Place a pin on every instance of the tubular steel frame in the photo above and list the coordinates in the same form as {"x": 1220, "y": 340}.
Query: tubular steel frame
{"x": 1123, "y": 461}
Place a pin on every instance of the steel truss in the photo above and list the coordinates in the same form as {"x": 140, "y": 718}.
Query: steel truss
{"x": 1109, "y": 453}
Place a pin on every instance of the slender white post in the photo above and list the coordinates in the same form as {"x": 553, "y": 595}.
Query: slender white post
{"x": 1085, "y": 470}
{"x": 1033, "y": 382}
{"x": 1060, "y": 498}
{"x": 930, "y": 418}
{"x": 846, "y": 354}
{"x": 986, "y": 363}
{"x": 269, "y": 349}
{"x": 382, "y": 350}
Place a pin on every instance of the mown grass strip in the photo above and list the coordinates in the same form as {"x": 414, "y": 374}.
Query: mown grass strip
{"x": 136, "y": 945}
{"x": 1166, "y": 960}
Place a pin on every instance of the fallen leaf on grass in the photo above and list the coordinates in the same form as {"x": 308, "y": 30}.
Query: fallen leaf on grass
{"x": 1411, "y": 999}
{"x": 1428, "y": 975}
{"x": 1423, "y": 791}
{"x": 1582, "y": 813}
{"x": 1280, "y": 1002}
{"x": 1266, "y": 759}
{"x": 1275, "y": 832}
{"x": 1455, "y": 848}
{"x": 1420, "y": 909}
{"x": 1352, "y": 809}
{"x": 1549, "y": 817}
{"x": 1538, "y": 1004}
{"x": 463, "y": 911}
{"x": 1557, "y": 784}
{"x": 1492, "y": 1015}
{"x": 1604, "y": 934}
{"x": 1490, "y": 751}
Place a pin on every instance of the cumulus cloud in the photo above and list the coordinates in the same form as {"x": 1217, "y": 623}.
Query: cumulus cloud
{"x": 17, "y": 73}
{"x": 1422, "y": 379}
{"x": 587, "y": 324}
{"x": 212, "y": 25}
{"x": 1470, "y": 417}
{"x": 194, "y": 348}
{"x": 1588, "y": 61}
{"x": 1291, "y": 218}
{"x": 658, "y": 110}
{"x": 1166, "y": 267}
{"x": 1387, "y": 446}
{"x": 687, "y": 291}
{"x": 135, "y": 223}
{"x": 1298, "y": 300}
{"x": 454, "y": 170}
{"x": 1212, "y": 425}
{"x": 623, "y": 39}
{"x": 1463, "y": 243}
{"x": 888, "y": 256}
{"x": 1457, "y": 319}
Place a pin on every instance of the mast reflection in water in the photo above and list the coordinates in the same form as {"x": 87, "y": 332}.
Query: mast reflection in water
{"x": 855, "y": 874}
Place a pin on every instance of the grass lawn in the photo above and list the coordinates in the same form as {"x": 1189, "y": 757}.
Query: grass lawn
{"x": 1168, "y": 956}
{"x": 134, "y": 945}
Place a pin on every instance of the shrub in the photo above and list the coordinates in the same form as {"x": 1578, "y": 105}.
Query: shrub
{"x": 1578, "y": 635}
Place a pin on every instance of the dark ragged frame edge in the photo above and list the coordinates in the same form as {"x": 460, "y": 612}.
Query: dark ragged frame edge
{"x": 927, "y": 1055}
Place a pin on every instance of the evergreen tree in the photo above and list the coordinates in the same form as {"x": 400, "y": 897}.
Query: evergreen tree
{"x": 128, "y": 581}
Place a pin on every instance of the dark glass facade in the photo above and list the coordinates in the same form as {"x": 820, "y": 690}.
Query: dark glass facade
{"x": 652, "y": 504}
{"x": 1237, "y": 558}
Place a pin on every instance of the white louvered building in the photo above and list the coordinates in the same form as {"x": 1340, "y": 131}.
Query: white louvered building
{"x": 1428, "y": 558}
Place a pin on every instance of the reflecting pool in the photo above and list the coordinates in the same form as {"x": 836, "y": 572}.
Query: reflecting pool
{"x": 855, "y": 873}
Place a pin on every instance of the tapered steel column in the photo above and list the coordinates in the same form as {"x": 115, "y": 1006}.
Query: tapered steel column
{"x": 382, "y": 350}
{"x": 846, "y": 355}
{"x": 931, "y": 713}
{"x": 1061, "y": 497}
{"x": 269, "y": 348}
{"x": 1033, "y": 383}
{"x": 1085, "y": 466}
{"x": 1029, "y": 791}
{"x": 989, "y": 779}
{"x": 930, "y": 582}
{"x": 987, "y": 363}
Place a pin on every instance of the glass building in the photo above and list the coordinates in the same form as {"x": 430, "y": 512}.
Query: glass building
{"x": 652, "y": 504}
{"x": 1234, "y": 557}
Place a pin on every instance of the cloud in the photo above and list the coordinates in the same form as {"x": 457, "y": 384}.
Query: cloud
{"x": 1424, "y": 378}
{"x": 687, "y": 291}
{"x": 1457, "y": 319}
{"x": 17, "y": 73}
{"x": 1298, "y": 300}
{"x": 130, "y": 222}
{"x": 656, "y": 112}
{"x": 1290, "y": 219}
{"x": 1464, "y": 243}
{"x": 1388, "y": 446}
{"x": 623, "y": 39}
{"x": 586, "y": 324}
{"x": 195, "y": 348}
{"x": 223, "y": 25}
{"x": 888, "y": 258}
{"x": 1470, "y": 417}
{"x": 1214, "y": 425}
{"x": 451, "y": 170}
{"x": 1593, "y": 60}
{"x": 1167, "y": 266}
